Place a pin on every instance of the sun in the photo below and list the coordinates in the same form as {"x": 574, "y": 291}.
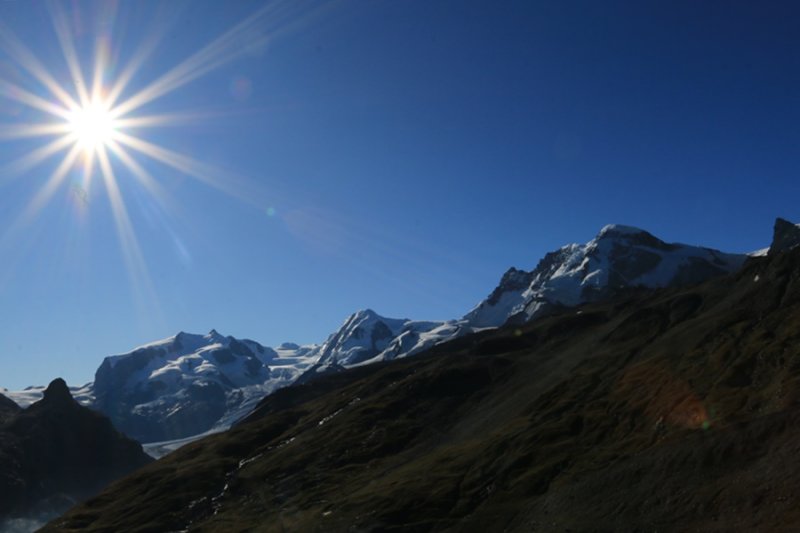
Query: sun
{"x": 91, "y": 117}
{"x": 93, "y": 126}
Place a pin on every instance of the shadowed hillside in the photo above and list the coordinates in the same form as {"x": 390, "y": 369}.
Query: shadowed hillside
{"x": 675, "y": 410}
{"x": 56, "y": 453}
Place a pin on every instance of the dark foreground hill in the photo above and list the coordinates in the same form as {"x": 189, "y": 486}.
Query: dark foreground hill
{"x": 670, "y": 411}
{"x": 56, "y": 453}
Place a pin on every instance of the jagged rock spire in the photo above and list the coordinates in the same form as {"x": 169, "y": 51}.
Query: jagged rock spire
{"x": 785, "y": 235}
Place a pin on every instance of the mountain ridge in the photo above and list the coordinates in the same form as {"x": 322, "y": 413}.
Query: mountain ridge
{"x": 619, "y": 257}
{"x": 674, "y": 409}
{"x": 190, "y": 384}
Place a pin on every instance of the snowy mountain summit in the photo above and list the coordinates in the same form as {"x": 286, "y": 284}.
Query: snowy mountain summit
{"x": 187, "y": 383}
{"x": 618, "y": 257}
{"x": 367, "y": 336}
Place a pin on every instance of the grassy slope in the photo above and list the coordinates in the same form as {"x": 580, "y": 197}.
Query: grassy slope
{"x": 676, "y": 411}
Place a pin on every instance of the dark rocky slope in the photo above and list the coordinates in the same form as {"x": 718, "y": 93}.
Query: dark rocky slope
{"x": 7, "y": 408}
{"x": 671, "y": 411}
{"x": 57, "y": 452}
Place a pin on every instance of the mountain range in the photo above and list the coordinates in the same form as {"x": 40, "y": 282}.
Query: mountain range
{"x": 670, "y": 409}
{"x": 190, "y": 384}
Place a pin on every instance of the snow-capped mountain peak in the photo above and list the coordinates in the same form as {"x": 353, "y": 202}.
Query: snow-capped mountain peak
{"x": 618, "y": 257}
{"x": 364, "y": 335}
{"x": 367, "y": 336}
{"x": 619, "y": 230}
{"x": 184, "y": 384}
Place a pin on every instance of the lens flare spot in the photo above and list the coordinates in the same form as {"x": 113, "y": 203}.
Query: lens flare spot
{"x": 241, "y": 88}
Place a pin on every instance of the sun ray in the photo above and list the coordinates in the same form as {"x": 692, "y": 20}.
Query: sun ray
{"x": 164, "y": 120}
{"x": 25, "y": 58}
{"x": 44, "y": 194}
{"x": 22, "y": 131}
{"x": 214, "y": 177}
{"x": 39, "y": 155}
{"x": 145, "y": 178}
{"x": 41, "y": 198}
{"x": 88, "y": 170}
{"x": 9, "y": 90}
{"x": 61, "y": 26}
{"x": 146, "y": 48}
{"x": 143, "y": 290}
{"x": 157, "y": 191}
{"x": 225, "y": 48}
{"x": 100, "y": 66}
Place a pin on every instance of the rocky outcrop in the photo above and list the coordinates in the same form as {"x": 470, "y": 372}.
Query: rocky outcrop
{"x": 7, "y": 409}
{"x": 56, "y": 453}
{"x": 785, "y": 236}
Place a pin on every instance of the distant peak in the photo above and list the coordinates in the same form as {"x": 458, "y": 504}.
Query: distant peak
{"x": 619, "y": 229}
{"x": 289, "y": 346}
{"x": 58, "y": 391}
{"x": 366, "y": 313}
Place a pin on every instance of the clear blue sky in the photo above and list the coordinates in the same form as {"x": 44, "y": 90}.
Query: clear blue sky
{"x": 397, "y": 155}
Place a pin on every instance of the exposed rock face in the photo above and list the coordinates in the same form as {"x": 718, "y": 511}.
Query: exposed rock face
{"x": 785, "y": 236}
{"x": 7, "y": 409}
{"x": 515, "y": 280}
{"x": 618, "y": 258}
{"x": 56, "y": 453}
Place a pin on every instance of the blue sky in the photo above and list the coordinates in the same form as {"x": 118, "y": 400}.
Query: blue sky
{"x": 396, "y": 155}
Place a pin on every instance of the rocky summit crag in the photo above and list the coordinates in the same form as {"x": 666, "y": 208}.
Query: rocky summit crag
{"x": 785, "y": 236}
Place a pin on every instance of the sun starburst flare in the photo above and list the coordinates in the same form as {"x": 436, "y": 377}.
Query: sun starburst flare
{"x": 97, "y": 127}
